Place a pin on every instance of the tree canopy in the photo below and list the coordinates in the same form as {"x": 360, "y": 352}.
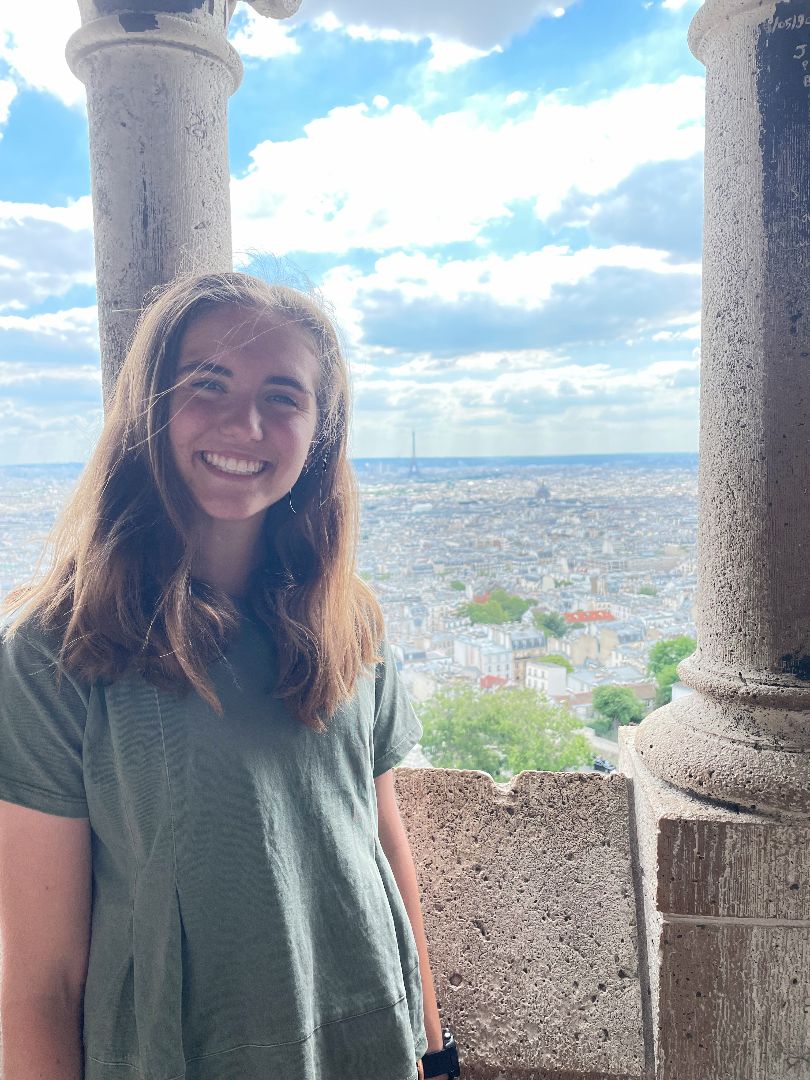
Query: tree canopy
{"x": 499, "y": 607}
{"x": 663, "y": 663}
{"x": 551, "y": 623}
{"x": 614, "y": 706}
{"x": 501, "y": 732}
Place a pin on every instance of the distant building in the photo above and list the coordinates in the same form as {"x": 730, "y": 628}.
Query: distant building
{"x": 526, "y": 643}
{"x": 549, "y": 679}
{"x": 491, "y": 682}
{"x": 573, "y": 617}
{"x": 486, "y": 657}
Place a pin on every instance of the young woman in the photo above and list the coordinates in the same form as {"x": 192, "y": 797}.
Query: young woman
{"x": 204, "y": 872}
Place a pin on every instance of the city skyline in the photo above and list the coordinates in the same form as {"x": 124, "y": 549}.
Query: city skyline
{"x": 496, "y": 298}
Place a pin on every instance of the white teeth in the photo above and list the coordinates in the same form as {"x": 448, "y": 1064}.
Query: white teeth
{"x": 234, "y": 465}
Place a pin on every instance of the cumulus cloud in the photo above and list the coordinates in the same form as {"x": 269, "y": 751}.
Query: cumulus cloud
{"x": 381, "y": 179}
{"x": 550, "y": 298}
{"x": 8, "y": 92}
{"x": 660, "y": 204}
{"x": 260, "y": 38}
{"x": 76, "y": 327}
{"x": 46, "y": 251}
{"x": 445, "y": 54}
{"x": 34, "y": 47}
{"x": 571, "y": 407}
{"x": 481, "y": 25}
{"x": 55, "y": 383}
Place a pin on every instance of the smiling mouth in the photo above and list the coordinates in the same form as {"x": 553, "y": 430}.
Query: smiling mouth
{"x": 233, "y": 466}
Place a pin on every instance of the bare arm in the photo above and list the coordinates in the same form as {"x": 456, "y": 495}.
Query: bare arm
{"x": 45, "y": 896}
{"x": 397, "y": 850}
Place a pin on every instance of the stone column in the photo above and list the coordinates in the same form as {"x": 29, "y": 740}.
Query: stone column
{"x": 743, "y": 737}
{"x": 158, "y": 75}
{"x": 721, "y": 777}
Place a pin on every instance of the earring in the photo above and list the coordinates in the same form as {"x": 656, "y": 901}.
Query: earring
{"x": 289, "y": 499}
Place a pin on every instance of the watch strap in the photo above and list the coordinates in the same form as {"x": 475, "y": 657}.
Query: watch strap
{"x": 439, "y": 1062}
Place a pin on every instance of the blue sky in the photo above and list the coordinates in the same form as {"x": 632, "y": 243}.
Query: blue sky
{"x": 502, "y": 202}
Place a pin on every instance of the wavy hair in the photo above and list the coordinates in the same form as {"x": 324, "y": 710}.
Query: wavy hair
{"x": 118, "y": 600}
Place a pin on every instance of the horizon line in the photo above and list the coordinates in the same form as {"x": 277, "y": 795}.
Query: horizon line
{"x": 424, "y": 458}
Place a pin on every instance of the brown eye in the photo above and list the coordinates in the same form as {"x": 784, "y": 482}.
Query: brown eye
{"x": 207, "y": 384}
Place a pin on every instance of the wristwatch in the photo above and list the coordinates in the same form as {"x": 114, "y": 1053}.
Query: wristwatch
{"x": 442, "y": 1061}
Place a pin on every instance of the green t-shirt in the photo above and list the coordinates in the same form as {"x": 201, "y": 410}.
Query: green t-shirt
{"x": 246, "y": 924}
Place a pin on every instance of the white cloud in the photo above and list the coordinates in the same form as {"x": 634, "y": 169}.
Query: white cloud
{"x": 481, "y": 25}
{"x": 449, "y": 55}
{"x": 32, "y": 43}
{"x": 523, "y": 279}
{"x": 261, "y": 38}
{"x": 481, "y": 363}
{"x": 362, "y": 178}
{"x": 8, "y": 91}
{"x": 46, "y": 251}
{"x": 361, "y": 31}
{"x": 676, "y": 5}
{"x": 73, "y": 326}
{"x": 565, "y": 408}
{"x": 14, "y": 374}
{"x": 446, "y": 54}
{"x": 76, "y": 216}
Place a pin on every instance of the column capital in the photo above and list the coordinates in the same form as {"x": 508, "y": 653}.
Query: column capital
{"x": 104, "y": 28}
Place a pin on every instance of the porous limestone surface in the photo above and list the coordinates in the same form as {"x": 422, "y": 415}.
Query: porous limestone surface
{"x": 531, "y": 920}
{"x": 735, "y": 1001}
{"x": 727, "y": 915}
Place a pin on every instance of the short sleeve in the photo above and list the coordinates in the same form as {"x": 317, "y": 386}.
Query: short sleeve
{"x": 396, "y": 727}
{"x": 42, "y": 722}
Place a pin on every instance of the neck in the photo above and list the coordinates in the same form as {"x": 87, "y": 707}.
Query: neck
{"x": 228, "y": 553}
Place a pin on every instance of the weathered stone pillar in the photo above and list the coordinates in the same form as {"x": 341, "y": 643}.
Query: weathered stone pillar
{"x": 722, "y": 776}
{"x": 744, "y": 736}
{"x": 158, "y": 75}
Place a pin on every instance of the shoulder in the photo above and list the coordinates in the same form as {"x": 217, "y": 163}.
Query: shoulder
{"x": 31, "y": 652}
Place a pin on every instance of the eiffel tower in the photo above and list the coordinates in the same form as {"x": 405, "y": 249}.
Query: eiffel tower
{"x": 414, "y": 469}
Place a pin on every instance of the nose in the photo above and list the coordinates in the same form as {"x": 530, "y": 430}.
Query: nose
{"x": 242, "y": 420}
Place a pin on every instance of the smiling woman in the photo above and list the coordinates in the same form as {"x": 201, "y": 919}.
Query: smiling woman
{"x": 240, "y": 434}
{"x": 200, "y": 683}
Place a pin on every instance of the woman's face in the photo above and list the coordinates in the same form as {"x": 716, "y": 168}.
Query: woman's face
{"x": 243, "y": 411}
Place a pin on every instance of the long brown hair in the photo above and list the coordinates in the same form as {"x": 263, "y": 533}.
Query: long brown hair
{"x": 119, "y": 592}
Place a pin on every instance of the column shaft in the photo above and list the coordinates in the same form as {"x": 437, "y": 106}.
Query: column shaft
{"x": 158, "y": 83}
{"x": 744, "y": 737}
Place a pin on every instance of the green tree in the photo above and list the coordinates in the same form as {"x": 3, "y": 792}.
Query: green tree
{"x": 489, "y": 613}
{"x": 648, "y": 590}
{"x": 514, "y": 606}
{"x": 551, "y": 623}
{"x": 459, "y": 586}
{"x": 502, "y": 732}
{"x": 614, "y": 706}
{"x": 500, "y": 607}
{"x": 663, "y": 663}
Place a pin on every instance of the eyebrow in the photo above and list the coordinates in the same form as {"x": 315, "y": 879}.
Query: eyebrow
{"x": 217, "y": 369}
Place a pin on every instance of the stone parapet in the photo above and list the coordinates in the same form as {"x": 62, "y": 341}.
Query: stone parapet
{"x": 530, "y": 915}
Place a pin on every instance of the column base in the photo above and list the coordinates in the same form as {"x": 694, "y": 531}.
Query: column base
{"x": 731, "y": 753}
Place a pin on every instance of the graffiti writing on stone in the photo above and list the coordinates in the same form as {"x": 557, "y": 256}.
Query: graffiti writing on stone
{"x": 791, "y": 22}
{"x": 801, "y": 51}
